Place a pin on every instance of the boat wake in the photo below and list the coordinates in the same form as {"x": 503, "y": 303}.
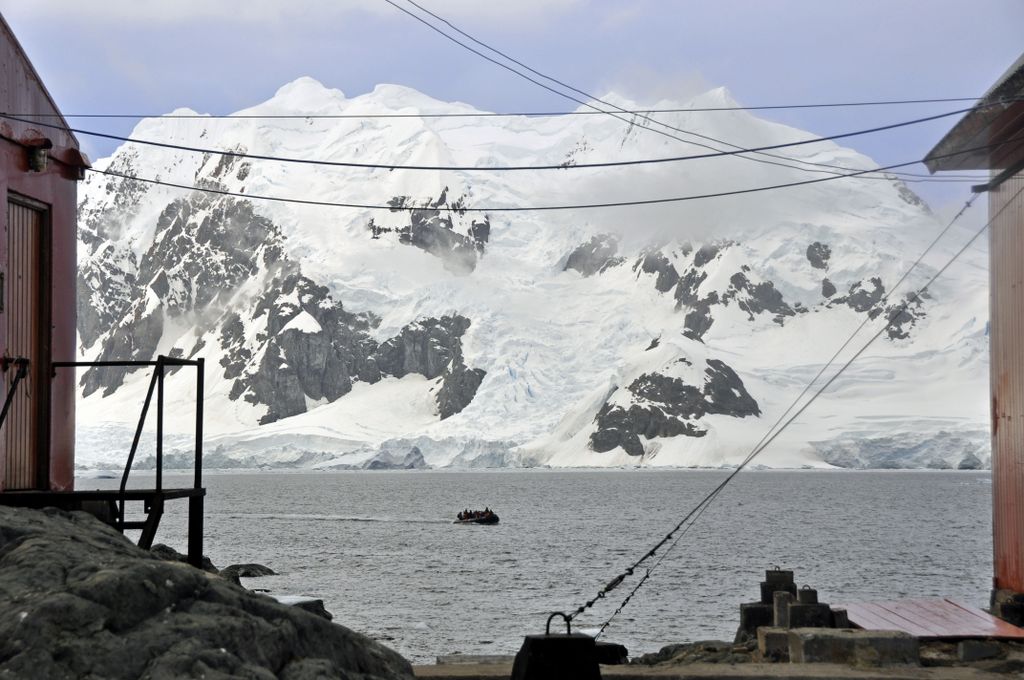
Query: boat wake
{"x": 289, "y": 517}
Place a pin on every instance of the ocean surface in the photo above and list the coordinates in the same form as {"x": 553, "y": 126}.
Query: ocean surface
{"x": 380, "y": 548}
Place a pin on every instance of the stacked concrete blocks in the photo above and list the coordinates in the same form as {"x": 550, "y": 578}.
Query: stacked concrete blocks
{"x": 792, "y": 625}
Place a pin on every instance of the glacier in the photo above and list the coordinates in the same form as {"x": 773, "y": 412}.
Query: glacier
{"x": 427, "y": 334}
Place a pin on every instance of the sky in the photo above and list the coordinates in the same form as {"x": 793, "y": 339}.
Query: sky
{"x": 219, "y": 56}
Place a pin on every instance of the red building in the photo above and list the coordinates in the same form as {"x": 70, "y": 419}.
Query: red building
{"x": 39, "y": 171}
{"x": 991, "y": 137}
{"x": 40, "y": 165}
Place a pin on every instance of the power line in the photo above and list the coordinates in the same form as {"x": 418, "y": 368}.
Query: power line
{"x": 463, "y": 168}
{"x": 763, "y": 442}
{"x": 592, "y": 97}
{"x": 496, "y": 209}
{"x": 504, "y": 114}
{"x": 699, "y": 509}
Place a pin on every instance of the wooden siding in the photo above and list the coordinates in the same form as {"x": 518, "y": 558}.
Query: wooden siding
{"x": 931, "y": 619}
{"x": 22, "y": 312}
{"x": 1006, "y": 303}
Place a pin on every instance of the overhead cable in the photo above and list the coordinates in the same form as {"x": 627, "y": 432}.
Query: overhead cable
{"x": 495, "y": 114}
{"x": 771, "y": 433}
{"x": 827, "y": 167}
{"x": 697, "y": 510}
{"x": 566, "y": 165}
{"x": 497, "y": 209}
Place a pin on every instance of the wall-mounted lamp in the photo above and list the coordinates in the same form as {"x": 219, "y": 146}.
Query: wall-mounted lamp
{"x": 38, "y": 154}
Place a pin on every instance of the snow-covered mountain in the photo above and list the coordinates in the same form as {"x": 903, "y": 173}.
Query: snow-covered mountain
{"x": 669, "y": 334}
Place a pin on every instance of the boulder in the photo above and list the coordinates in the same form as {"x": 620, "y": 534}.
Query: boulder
{"x": 78, "y": 600}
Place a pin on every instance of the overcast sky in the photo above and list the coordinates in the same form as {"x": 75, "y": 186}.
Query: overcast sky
{"x": 218, "y": 56}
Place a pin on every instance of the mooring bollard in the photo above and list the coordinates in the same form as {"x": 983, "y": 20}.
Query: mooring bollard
{"x": 807, "y": 595}
{"x": 776, "y": 580}
{"x": 557, "y": 656}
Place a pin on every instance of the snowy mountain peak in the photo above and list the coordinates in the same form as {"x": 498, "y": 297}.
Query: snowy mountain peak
{"x": 306, "y": 95}
{"x": 665, "y": 334}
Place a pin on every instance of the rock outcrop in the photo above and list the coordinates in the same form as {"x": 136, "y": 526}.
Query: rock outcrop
{"x": 659, "y": 404}
{"x": 79, "y": 601}
{"x": 595, "y": 255}
{"x": 432, "y": 229}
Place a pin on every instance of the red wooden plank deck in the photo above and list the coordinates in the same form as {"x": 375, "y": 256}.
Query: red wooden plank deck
{"x": 931, "y": 618}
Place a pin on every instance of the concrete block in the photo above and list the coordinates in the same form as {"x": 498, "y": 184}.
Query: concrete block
{"x": 773, "y": 643}
{"x": 1011, "y": 612}
{"x": 780, "y": 577}
{"x": 783, "y": 599}
{"x": 978, "y": 650}
{"x": 753, "y": 615}
{"x": 853, "y": 646}
{"x": 611, "y": 653}
{"x": 810, "y": 616}
{"x": 807, "y": 595}
{"x": 840, "y": 619}
{"x": 768, "y": 590}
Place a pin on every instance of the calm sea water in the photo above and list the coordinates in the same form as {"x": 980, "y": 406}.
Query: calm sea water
{"x": 381, "y": 550}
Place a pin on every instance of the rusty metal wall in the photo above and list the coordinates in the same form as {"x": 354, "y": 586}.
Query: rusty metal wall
{"x": 21, "y": 90}
{"x": 1006, "y": 300}
{"x": 22, "y": 311}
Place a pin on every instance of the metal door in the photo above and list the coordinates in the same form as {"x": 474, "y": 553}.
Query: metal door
{"x": 24, "y": 317}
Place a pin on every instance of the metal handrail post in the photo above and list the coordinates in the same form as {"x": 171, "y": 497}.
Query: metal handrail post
{"x": 135, "y": 443}
{"x": 200, "y": 380}
{"x": 160, "y": 424}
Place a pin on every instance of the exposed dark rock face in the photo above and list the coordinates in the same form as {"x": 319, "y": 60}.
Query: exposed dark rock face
{"x": 623, "y": 427}
{"x": 757, "y": 298}
{"x": 665, "y": 406}
{"x": 433, "y": 348}
{"x": 708, "y": 252}
{"x": 459, "y": 386}
{"x": 818, "y": 255}
{"x": 107, "y": 284}
{"x": 425, "y": 347}
{"x": 828, "y": 289}
{"x": 432, "y": 229}
{"x": 595, "y": 255}
{"x": 907, "y": 194}
{"x": 863, "y": 296}
{"x": 655, "y": 262}
{"x": 78, "y": 600}
{"x": 698, "y": 318}
{"x": 206, "y": 246}
{"x": 311, "y": 348}
{"x": 289, "y": 346}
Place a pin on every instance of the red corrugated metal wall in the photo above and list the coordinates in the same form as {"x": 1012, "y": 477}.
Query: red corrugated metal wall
{"x": 23, "y": 301}
{"x": 55, "y": 188}
{"x": 1007, "y": 375}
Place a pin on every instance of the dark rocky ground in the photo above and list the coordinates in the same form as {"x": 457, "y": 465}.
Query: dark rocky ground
{"x": 78, "y": 600}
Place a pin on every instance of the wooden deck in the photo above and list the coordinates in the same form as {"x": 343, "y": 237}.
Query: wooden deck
{"x": 935, "y": 618}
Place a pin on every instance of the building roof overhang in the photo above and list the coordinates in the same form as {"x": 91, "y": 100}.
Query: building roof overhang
{"x": 991, "y": 135}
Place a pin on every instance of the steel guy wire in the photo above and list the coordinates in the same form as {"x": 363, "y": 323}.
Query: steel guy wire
{"x": 706, "y": 501}
{"x": 590, "y": 96}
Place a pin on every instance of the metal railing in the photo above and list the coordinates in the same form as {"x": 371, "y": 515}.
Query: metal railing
{"x": 156, "y": 383}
